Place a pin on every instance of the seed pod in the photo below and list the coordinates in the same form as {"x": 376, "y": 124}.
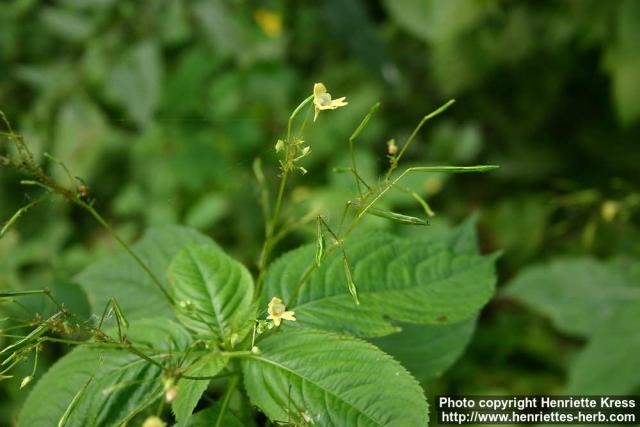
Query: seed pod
{"x": 394, "y": 216}
{"x": 319, "y": 244}
{"x": 350, "y": 284}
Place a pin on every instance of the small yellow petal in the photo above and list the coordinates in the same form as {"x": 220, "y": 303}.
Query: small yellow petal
{"x": 289, "y": 315}
{"x": 322, "y": 100}
{"x": 277, "y": 312}
{"x": 319, "y": 89}
{"x": 340, "y": 102}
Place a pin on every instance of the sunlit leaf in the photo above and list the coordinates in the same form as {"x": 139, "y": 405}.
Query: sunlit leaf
{"x": 399, "y": 280}
{"x": 214, "y": 292}
{"x": 120, "y": 277}
{"x": 331, "y": 380}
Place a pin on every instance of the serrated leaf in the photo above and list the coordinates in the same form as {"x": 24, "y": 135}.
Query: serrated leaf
{"x": 399, "y": 280}
{"x": 190, "y": 391}
{"x": 609, "y": 362}
{"x": 215, "y": 290}
{"x": 427, "y": 351}
{"x": 121, "y": 380}
{"x": 120, "y": 277}
{"x": 331, "y": 380}
{"x": 577, "y": 294}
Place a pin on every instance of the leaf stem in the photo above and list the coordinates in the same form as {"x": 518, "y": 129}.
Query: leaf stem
{"x": 72, "y": 197}
{"x": 21, "y": 212}
{"x": 156, "y": 281}
{"x": 352, "y": 138}
{"x": 396, "y": 160}
{"x": 233, "y": 382}
{"x": 271, "y": 228}
{"x": 362, "y": 212}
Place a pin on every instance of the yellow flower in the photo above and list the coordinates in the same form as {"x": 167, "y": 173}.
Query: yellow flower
{"x": 270, "y": 22}
{"x": 609, "y": 210}
{"x": 277, "y": 312}
{"x": 322, "y": 100}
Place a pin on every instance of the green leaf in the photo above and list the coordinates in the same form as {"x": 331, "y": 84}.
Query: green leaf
{"x": 435, "y": 20}
{"x": 136, "y": 80}
{"x": 577, "y": 294}
{"x": 463, "y": 239}
{"x": 332, "y": 380}
{"x": 427, "y": 351}
{"x": 122, "y": 278}
{"x": 80, "y": 139}
{"x": 121, "y": 380}
{"x": 219, "y": 25}
{"x": 207, "y": 417}
{"x": 609, "y": 363}
{"x": 623, "y": 60}
{"x": 207, "y": 211}
{"x": 399, "y": 280}
{"x": 66, "y": 24}
{"x": 190, "y": 391}
{"x": 215, "y": 290}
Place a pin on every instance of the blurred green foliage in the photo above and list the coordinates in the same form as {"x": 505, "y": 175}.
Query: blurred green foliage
{"x": 160, "y": 108}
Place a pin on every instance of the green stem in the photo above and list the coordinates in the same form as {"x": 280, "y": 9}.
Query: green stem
{"x": 413, "y": 135}
{"x": 264, "y": 193}
{"x": 268, "y": 243}
{"x": 361, "y": 213}
{"x": 295, "y": 113}
{"x": 278, "y": 205}
{"x": 22, "y": 293}
{"x": 233, "y": 382}
{"x": 352, "y": 138}
{"x": 207, "y": 378}
{"x": 114, "y": 345}
{"x": 156, "y": 281}
{"x": 142, "y": 407}
{"x": 446, "y": 169}
{"x": 354, "y": 168}
{"x": 71, "y": 196}
{"x": 21, "y": 212}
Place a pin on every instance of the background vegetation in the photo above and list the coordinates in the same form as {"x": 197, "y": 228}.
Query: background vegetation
{"x": 160, "y": 107}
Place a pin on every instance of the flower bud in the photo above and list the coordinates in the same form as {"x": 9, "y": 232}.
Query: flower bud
{"x": 154, "y": 421}
{"x": 392, "y": 148}
{"x": 25, "y": 381}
